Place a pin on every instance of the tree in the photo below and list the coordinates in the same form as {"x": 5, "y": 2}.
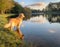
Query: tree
{"x": 53, "y": 6}
{"x": 6, "y": 5}
{"x": 17, "y": 8}
{"x": 27, "y": 12}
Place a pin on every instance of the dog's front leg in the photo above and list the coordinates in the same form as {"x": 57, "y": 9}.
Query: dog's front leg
{"x": 19, "y": 32}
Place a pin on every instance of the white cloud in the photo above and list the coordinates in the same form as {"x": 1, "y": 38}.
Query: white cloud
{"x": 39, "y": 5}
{"x": 22, "y": 3}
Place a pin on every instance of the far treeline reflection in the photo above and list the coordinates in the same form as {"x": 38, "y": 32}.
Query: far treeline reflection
{"x": 53, "y": 18}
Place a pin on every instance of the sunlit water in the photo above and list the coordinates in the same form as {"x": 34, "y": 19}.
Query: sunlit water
{"x": 41, "y": 32}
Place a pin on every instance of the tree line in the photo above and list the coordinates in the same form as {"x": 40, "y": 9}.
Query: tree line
{"x": 50, "y": 8}
{"x": 12, "y": 7}
{"x": 53, "y": 7}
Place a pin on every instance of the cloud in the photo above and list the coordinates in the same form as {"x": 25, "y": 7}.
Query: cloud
{"x": 38, "y": 5}
{"x": 22, "y": 3}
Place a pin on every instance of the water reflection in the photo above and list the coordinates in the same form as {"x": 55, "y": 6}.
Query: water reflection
{"x": 53, "y": 18}
{"x": 52, "y": 31}
{"x": 41, "y": 35}
{"x": 39, "y": 19}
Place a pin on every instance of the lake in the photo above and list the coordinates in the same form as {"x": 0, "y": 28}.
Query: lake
{"x": 41, "y": 31}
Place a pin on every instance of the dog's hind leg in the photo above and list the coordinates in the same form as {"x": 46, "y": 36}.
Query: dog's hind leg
{"x": 7, "y": 25}
{"x": 12, "y": 26}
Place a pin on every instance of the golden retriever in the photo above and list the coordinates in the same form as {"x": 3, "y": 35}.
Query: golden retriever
{"x": 16, "y": 22}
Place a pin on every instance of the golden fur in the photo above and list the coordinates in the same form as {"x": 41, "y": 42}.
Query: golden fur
{"x": 16, "y": 22}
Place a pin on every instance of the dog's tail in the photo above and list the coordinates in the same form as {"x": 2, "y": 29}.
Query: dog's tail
{"x": 7, "y": 25}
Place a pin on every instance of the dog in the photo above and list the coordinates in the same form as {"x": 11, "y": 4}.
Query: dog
{"x": 16, "y": 22}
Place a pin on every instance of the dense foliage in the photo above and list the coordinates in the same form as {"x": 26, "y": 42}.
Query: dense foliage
{"x": 6, "y": 5}
{"x": 27, "y": 12}
{"x": 17, "y": 8}
{"x": 53, "y": 6}
{"x": 12, "y": 7}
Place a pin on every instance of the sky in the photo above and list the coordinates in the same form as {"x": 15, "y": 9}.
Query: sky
{"x": 29, "y": 2}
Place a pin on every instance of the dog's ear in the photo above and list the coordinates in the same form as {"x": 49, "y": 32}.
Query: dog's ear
{"x": 21, "y": 15}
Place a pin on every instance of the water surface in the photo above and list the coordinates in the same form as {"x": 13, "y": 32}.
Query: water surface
{"x": 41, "y": 32}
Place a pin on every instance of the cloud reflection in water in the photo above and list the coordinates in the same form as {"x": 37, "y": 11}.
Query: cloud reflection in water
{"x": 39, "y": 19}
{"x": 52, "y": 31}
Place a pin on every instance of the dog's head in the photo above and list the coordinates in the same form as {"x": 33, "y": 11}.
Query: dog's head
{"x": 21, "y": 15}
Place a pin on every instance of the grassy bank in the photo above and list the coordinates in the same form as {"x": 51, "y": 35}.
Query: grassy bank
{"x": 8, "y": 38}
